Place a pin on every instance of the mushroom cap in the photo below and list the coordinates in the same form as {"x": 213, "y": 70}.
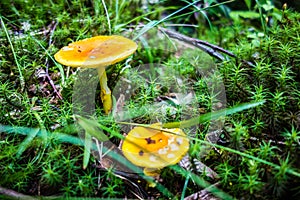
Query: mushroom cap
{"x": 98, "y": 51}
{"x": 152, "y": 148}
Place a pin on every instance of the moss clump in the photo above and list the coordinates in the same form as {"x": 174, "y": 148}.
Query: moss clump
{"x": 271, "y": 131}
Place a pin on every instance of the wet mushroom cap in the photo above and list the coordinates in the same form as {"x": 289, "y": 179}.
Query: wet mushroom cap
{"x": 146, "y": 147}
{"x": 95, "y": 52}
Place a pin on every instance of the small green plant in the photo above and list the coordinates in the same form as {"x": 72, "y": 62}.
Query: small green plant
{"x": 292, "y": 139}
{"x": 113, "y": 186}
{"x": 226, "y": 171}
{"x": 267, "y": 151}
{"x": 52, "y": 174}
{"x": 279, "y": 181}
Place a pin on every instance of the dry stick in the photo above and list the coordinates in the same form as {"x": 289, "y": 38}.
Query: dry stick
{"x": 47, "y": 63}
{"x": 15, "y": 195}
{"x": 211, "y": 49}
{"x": 203, "y": 194}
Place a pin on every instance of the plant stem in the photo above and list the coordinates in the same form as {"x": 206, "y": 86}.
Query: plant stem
{"x": 105, "y": 93}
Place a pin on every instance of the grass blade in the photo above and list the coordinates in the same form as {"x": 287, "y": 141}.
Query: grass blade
{"x": 212, "y": 115}
{"x": 155, "y": 23}
{"x": 107, "y": 16}
{"x": 92, "y": 128}
{"x": 22, "y": 81}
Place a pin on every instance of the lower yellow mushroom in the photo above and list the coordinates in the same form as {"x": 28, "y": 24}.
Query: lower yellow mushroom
{"x": 155, "y": 148}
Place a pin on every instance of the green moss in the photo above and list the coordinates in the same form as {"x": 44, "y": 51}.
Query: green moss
{"x": 51, "y": 161}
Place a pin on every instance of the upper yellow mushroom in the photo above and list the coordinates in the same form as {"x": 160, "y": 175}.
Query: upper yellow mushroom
{"x": 97, "y": 52}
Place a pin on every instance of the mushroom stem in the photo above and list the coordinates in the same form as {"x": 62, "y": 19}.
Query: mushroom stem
{"x": 105, "y": 93}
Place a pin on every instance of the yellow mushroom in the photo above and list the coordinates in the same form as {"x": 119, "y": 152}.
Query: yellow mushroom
{"x": 97, "y": 52}
{"x": 154, "y": 148}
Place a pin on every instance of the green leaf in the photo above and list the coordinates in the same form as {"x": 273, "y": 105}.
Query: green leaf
{"x": 87, "y": 150}
{"x": 30, "y": 136}
{"x": 268, "y": 6}
{"x": 248, "y": 3}
{"x": 236, "y": 15}
{"x": 92, "y": 128}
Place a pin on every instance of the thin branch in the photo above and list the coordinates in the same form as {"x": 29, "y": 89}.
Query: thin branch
{"x": 15, "y": 195}
{"x": 211, "y": 49}
{"x": 195, "y": 42}
{"x": 203, "y": 194}
{"x": 53, "y": 25}
{"x": 52, "y": 28}
{"x": 53, "y": 86}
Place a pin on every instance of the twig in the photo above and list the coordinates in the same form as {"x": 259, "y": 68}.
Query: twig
{"x": 271, "y": 141}
{"x": 15, "y": 195}
{"x": 195, "y": 42}
{"x": 52, "y": 31}
{"x": 203, "y": 194}
{"x": 52, "y": 28}
{"x": 195, "y": 164}
{"x": 211, "y": 49}
{"x": 53, "y": 86}
{"x": 41, "y": 73}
